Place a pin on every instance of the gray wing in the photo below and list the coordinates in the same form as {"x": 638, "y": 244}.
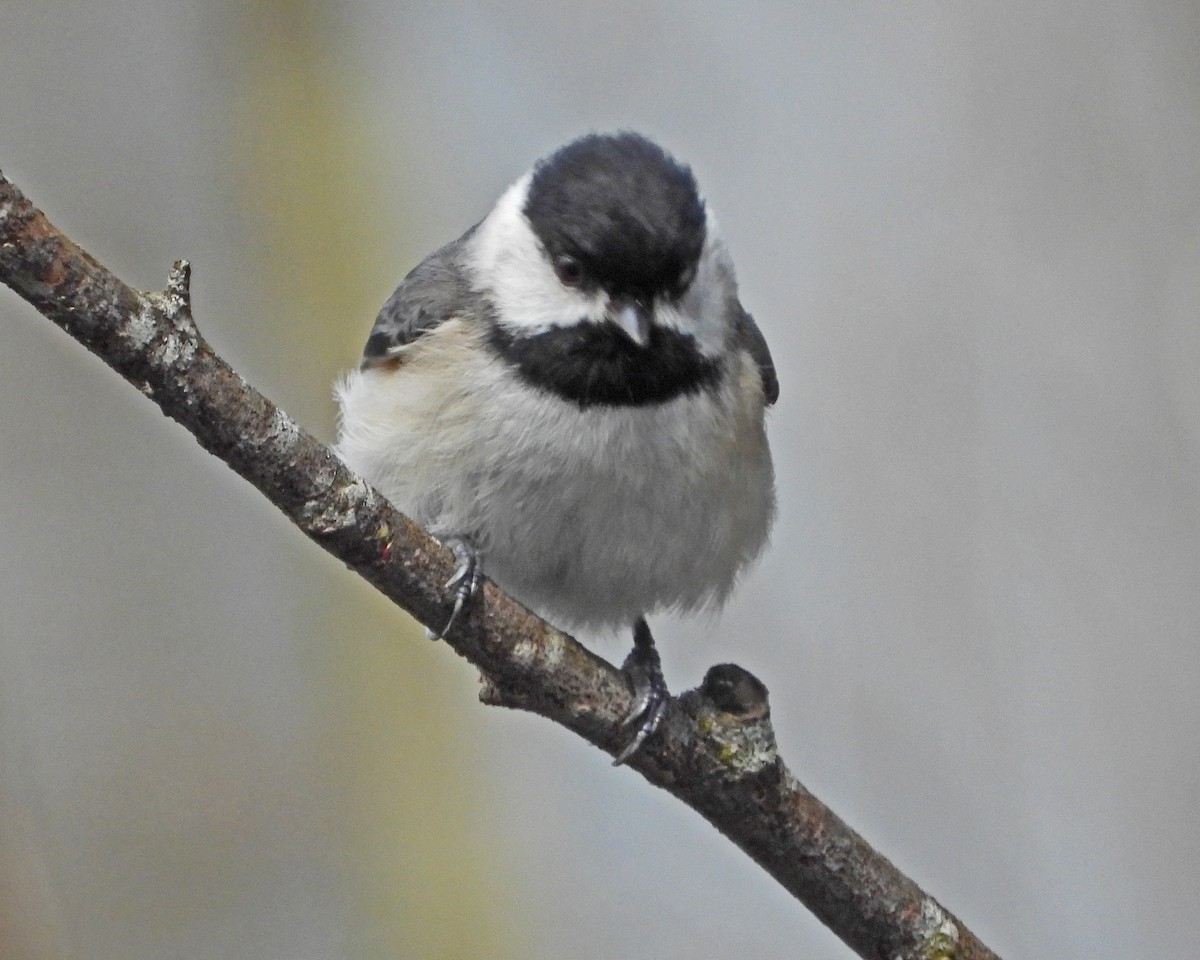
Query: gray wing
{"x": 752, "y": 339}
{"x": 434, "y": 291}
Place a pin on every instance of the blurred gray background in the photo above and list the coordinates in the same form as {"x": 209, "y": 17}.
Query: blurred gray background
{"x": 972, "y": 236}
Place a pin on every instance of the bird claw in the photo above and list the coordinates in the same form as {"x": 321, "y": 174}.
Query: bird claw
{"x": 650, "y": 694}
{"x": 465, "y": 582}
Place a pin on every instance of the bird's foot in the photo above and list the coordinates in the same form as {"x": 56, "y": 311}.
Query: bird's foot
{"x": 465, "y": 582}
{"x": 650, "y": 694}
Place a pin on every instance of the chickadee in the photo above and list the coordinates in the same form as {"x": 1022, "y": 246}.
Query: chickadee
{"x": 571, "y": 395}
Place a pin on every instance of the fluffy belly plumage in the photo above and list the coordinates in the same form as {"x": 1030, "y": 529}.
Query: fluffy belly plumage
{"x": 592, "y": 517}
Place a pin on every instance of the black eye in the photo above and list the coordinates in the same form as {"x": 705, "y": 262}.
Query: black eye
{"x": 568, "y": 270}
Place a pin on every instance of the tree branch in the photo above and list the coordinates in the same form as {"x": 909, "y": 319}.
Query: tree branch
{"x": 715, "y": 749}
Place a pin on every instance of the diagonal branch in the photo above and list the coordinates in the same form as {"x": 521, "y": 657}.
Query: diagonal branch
{"x": 715, "y": 749}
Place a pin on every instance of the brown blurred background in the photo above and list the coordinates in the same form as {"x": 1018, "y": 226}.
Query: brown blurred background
{"x": 972, "y": 236}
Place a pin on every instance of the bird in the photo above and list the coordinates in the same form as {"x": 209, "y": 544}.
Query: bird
{"x": 571, "y": 397}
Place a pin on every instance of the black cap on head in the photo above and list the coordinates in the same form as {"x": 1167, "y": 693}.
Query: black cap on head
{"x": 627, "y": 212}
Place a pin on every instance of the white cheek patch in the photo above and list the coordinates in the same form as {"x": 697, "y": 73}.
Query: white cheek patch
{"x": 506, "y": 259}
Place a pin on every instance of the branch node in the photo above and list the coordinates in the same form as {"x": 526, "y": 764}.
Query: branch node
{"x": 736, "y": 690}
{"x": 179, "y": 281}
{"x": 177, "y": 298}
{"x": 731, "y": 709}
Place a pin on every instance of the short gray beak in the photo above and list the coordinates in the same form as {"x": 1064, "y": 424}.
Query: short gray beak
{"x": 633, "y": 318}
